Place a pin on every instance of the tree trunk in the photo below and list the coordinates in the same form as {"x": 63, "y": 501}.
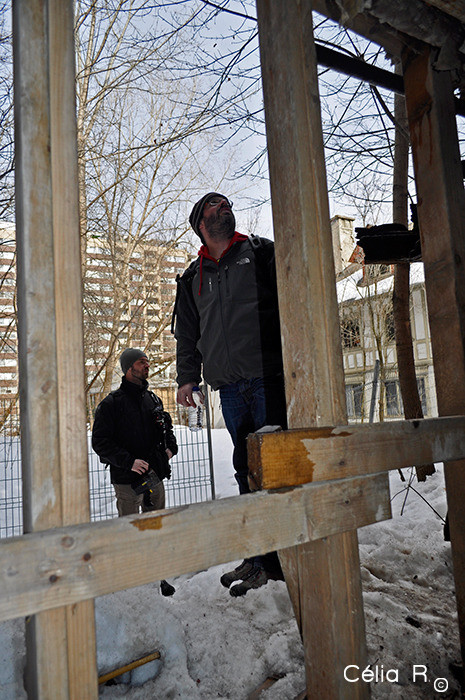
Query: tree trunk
{"x": 401, "y": 294}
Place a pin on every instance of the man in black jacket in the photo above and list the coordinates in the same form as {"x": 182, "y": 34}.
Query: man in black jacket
{"x": 227, "y": 326}
{"x": 134, "y": 435}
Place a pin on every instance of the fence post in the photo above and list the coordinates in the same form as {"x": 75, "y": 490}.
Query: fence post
{"x": 208, "y": 427}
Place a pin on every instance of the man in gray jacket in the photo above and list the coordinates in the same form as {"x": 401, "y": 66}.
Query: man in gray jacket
{"x": 227, "y": 324}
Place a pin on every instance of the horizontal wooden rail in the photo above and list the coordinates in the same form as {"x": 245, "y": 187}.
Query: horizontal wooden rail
{"x": 57, "y": 567}
{"x": 292, "y": 457}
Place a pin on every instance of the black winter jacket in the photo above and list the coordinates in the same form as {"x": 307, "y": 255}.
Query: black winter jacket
{"x": 130, "y": 424}
{"x": 227, "y": 317}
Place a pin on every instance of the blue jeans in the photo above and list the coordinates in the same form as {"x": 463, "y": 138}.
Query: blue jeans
{"x": 248, "y": 405}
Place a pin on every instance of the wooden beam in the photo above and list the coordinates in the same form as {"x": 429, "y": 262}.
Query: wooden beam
{"x": 421, "y": 21}
{"x": 81, "y": 645}
{"x": 333, "y": 629}
{"x": 61, "y": 644}
{"x": 62, "y": 566}
{"x": 358, "y": 68}
{"x": 317, "y": 454}
{"x": 455, "y": 8}
{"x": 398, "y": 26}
{"x": 394, "y": 42}
{"x": 441, "y": 212}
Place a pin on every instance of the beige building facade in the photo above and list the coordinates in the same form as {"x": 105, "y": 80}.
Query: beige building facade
{"x": 367, "y": 333}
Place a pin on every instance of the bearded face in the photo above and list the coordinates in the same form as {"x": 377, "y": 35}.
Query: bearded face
{"x": 219, "y": 220}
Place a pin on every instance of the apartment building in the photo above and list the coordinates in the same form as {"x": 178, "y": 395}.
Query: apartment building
{"x": 129, "y": 293}
{"x": 128, "y": 297}
{"x": 8, "y": 333}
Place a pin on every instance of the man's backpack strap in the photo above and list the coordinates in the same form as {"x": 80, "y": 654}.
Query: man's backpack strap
{"x": 255, "y": 241}
{"x": 115, "y": 403}
{"x": 264, "y": 255}
{"x": 158, "y": 403}
{"x": 186, "y": 276}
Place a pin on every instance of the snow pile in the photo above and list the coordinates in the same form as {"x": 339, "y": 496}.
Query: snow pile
{"x": 216, "y": 646}
{"x": 410, "y": 606}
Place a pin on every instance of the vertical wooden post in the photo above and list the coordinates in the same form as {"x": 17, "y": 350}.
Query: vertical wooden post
{"x": 323, "y": 577}
{"x": 60, "y": 643}
{"x": 441, "y": 212}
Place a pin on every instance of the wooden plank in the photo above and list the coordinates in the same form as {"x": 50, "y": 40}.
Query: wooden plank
{"x": 293, "y": 457}
{"x": 61, "y": 566}
{"x": 36, "y": 322}
{"x": 441, "y": 212}
{"x": 309, "y": 325}
{"x": 67, "y": 267}
{"x": 80, "y": 618}
{"x": 46, "y": 674}
{"x": 46, "y": 634}
{"x": 301, "y": 216}
{"x": 337, "y": 568}
{"x": 54, "y": 449}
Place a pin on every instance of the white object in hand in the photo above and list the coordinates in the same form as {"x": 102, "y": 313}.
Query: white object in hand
{"x": 195, "y": 413}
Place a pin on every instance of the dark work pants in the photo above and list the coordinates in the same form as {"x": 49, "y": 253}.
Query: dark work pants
{"x": 128, "y": 502}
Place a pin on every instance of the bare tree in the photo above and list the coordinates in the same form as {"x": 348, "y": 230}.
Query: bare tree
{"x": 119, "y": 48}
{"x": 6, "y": 116}
{"x": 135, "y": 225}
{"x": 143, "y": 149}
{"x": 141, "y": 143}
{"x": 357, "y": 124}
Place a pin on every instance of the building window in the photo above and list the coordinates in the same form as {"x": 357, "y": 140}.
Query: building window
{"x": 393, "y": 398}
{"x": 394, "y": 403}
{"x": 350, "y": 333}
{"x": 354, "y": 400}
{"x": 389, "y": 328}
{"x": 422, "y": 391}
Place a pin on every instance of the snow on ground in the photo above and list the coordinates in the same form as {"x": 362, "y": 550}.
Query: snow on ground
{"x": 215, "y": 646}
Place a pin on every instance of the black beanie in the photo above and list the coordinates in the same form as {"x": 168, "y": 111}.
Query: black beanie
{"x": 129, "y": 356}
{"x": 197, "y": 211}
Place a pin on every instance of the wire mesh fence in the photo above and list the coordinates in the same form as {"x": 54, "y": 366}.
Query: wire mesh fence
{"x": 11, "y": 514}
{"x": 192, "y": 478}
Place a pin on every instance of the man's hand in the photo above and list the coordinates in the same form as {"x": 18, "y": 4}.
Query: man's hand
{"x": 184, "y": 395}
{"x": 169, "y": 453}
{"x": 140, "y": 466}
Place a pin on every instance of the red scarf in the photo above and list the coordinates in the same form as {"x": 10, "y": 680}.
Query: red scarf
{"x": 205, "y": 253}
